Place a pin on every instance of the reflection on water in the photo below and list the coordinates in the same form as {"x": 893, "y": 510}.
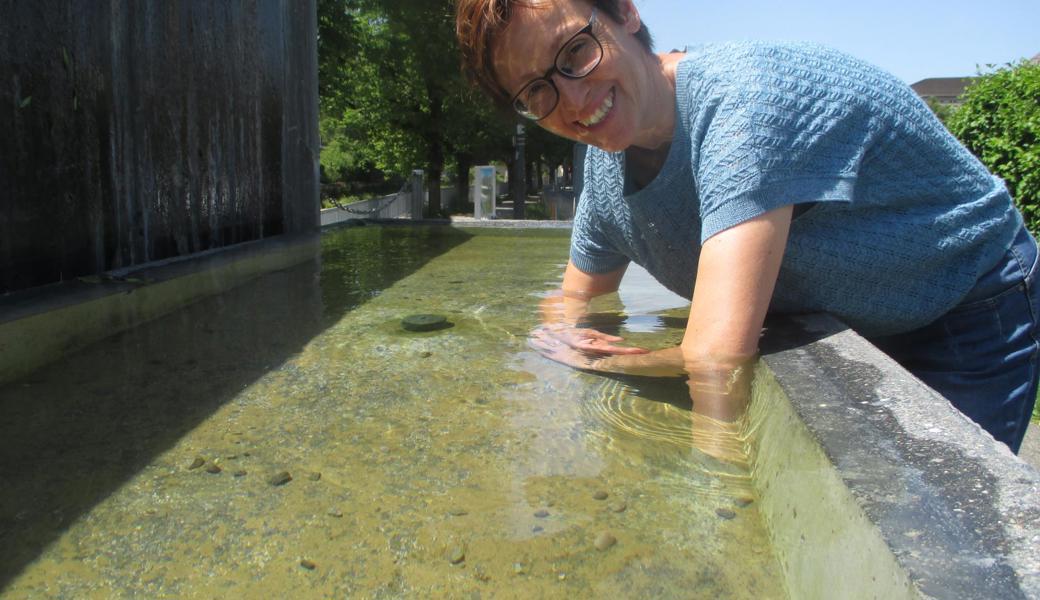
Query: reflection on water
{"x": 444, "y": 464}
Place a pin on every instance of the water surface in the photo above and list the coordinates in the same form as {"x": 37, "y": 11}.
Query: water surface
{"x": 456, "y": 463}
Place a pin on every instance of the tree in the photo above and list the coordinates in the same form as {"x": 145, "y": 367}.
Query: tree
{"x": 1000, "y": 123}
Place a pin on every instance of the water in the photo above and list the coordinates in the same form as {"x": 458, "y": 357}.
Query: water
{"x": 406, "y": 450}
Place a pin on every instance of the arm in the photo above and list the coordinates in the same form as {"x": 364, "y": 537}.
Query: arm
{"x": 736, "y": 274}
{"x": 562, "y": 311}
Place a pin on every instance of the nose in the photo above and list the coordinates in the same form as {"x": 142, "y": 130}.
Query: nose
{"x": 573, "y": 93}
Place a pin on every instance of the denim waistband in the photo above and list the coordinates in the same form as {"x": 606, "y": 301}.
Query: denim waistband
{"x": 1016, "y": 264}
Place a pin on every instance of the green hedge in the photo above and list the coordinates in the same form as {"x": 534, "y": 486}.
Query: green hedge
{"x": 1000, "y": 123}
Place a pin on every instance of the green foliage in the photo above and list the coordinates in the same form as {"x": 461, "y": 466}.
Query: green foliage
{"x": 1000, "y": 123}
{"x": 942, "y": 110}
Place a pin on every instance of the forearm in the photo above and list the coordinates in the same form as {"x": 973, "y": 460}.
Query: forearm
{"x": 720, "y": 386}
{"x": 564, "y": 307}
{"x": 659, "y": 363}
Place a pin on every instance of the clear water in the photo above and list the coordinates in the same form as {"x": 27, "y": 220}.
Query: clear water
{"x": 455, "y": 463}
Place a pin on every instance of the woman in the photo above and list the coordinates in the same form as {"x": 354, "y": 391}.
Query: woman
{"x": 759, "y": 176}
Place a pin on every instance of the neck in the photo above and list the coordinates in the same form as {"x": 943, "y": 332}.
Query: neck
{"x": 659, "y": 125}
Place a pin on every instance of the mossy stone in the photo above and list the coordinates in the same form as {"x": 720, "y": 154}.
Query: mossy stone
{"x": 425, "y": 322}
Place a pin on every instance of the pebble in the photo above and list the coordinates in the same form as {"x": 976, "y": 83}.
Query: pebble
{"x": 519, "y": 568}
{"x": 198, "y": 462}
{"x": 725, "y": 513}
{"x": 280, "y": 478}
{"x": 618, "y": 507}
{"x": 214, "y": 468}
{"x": 456, "y": 511}
{"x": 426, "y": 354}
{"x": 335, "y": 512}
{"x": 537, "y": 529}
{"x": 314, "y": 476}
{"x": 744, "y": 501}
{"x": 456, "y": 553}
{"x": 541, "y": 514}
{"x": 240, "y": 473}
{"x": 310, "y": 565}
{"x": 600, "y": 495}
{"x": 604, "y": 540}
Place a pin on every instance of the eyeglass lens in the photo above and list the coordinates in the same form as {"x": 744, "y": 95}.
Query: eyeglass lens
{"x": 577, "y": 59}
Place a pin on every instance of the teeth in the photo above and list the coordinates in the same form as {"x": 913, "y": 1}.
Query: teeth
{"x": 608, "y": 103}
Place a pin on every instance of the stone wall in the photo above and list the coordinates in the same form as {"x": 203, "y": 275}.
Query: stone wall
{"x": 140, "y": 130}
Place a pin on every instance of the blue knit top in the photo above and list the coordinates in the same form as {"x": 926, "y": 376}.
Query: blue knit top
{"x": 896, "y": 219}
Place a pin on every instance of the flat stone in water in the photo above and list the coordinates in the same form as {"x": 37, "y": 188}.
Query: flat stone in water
{"x": 281, "y": 478}
{"x": 725, "y": 513}
{"x": 310, "y": 565}
{"x": 456, "y": 553}
{"x": 541, "y": 514}
{"x": 600, "y": 495}
{"x": 214, "y": 468}
{"x": 335, "y": 512}
{"x": 744, "y": 501}
{"x": 314, "y": 476}
{"x": 240, "y": 473}
{"x": 198, "y": 462}
{"x": 425, "y": 322}
{"x": 618, "y": 507}
{"x": 604, "y": 540}
{"x": 457, "y": 511}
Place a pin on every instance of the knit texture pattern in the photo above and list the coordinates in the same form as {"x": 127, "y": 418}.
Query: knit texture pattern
{"x": 901, "y": 219}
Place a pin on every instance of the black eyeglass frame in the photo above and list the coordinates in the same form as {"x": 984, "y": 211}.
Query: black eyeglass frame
{"x": 587, "y": 30}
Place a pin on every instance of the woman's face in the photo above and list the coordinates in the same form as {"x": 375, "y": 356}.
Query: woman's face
{"x": 607, "y": 107}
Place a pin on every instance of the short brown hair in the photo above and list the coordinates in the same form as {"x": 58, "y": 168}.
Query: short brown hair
{"x": 478, "y": 22}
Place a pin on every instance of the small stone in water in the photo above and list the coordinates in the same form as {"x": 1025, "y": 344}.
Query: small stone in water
{"x": 426, "y": 354}
{"x": 618, "y": 507}
{"x": 198, "y": 462}
{"x": 457, "y": 511}
{"x": 541, "y": 514}
{"x": 519, "y": 568}
{"x": 335, "y": 512}
{"x": 314, "y": 476}
{"x": 281, "y": 478}
{"x": 537, "y": 529}
{"x": 456, "y": 554}
{"x": 744, "y": 501}
{"x": 214, "y": 468}
{"x": 240, "y": 473}
{"x": 604, "y": 540}
{"x": 310, "y": 565}
{"x": 600, "y": 495}
{"x": 725, "y": 513}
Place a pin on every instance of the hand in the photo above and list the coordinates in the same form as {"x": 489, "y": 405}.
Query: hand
{"x": 584, "y": 340}
{"x": 568, "y": 348}
{"x": 599, "y": 354}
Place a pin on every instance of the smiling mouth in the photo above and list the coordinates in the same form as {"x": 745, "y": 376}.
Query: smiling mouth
{"x": 601, "y": 112}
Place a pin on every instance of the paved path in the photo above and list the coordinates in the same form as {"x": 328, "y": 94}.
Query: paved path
{"x": 1030, "y": 450}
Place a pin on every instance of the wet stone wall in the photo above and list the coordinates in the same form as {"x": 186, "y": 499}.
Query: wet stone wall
{"x": 140, "y": 130}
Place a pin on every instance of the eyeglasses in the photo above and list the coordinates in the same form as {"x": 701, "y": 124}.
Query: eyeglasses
{"x": 576, "y": 59}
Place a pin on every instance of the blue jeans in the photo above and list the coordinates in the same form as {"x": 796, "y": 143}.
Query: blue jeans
{"x": 983, "y": 355}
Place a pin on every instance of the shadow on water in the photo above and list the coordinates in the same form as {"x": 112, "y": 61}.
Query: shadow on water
{"x": 76, "y": 430}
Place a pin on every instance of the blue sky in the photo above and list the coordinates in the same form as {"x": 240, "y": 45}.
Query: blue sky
{"x": 912, "y": 39}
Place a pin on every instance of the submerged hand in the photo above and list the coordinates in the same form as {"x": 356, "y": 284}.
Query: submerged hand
{"x": 607, "y": 358}
{"x": 584, "y": 339}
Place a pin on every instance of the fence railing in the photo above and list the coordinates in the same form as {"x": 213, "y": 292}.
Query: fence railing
{"x": 393, "y": 206}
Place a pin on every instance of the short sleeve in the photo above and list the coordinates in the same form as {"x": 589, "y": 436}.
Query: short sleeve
{"x": 591, "y": 251}
{"x": 778, "y": 130}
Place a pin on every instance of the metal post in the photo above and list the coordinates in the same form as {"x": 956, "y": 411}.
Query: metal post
{"x": 418, "y": 195}
{"x": 519, "y": 177}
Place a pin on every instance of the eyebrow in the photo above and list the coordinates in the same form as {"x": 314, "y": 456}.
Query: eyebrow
{"x": 560, "y": 39}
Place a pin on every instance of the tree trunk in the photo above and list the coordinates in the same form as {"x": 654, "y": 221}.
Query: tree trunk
{"x": 435, "y": 150}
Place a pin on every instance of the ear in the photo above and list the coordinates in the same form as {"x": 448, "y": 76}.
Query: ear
{"x": 630, "y": 16}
